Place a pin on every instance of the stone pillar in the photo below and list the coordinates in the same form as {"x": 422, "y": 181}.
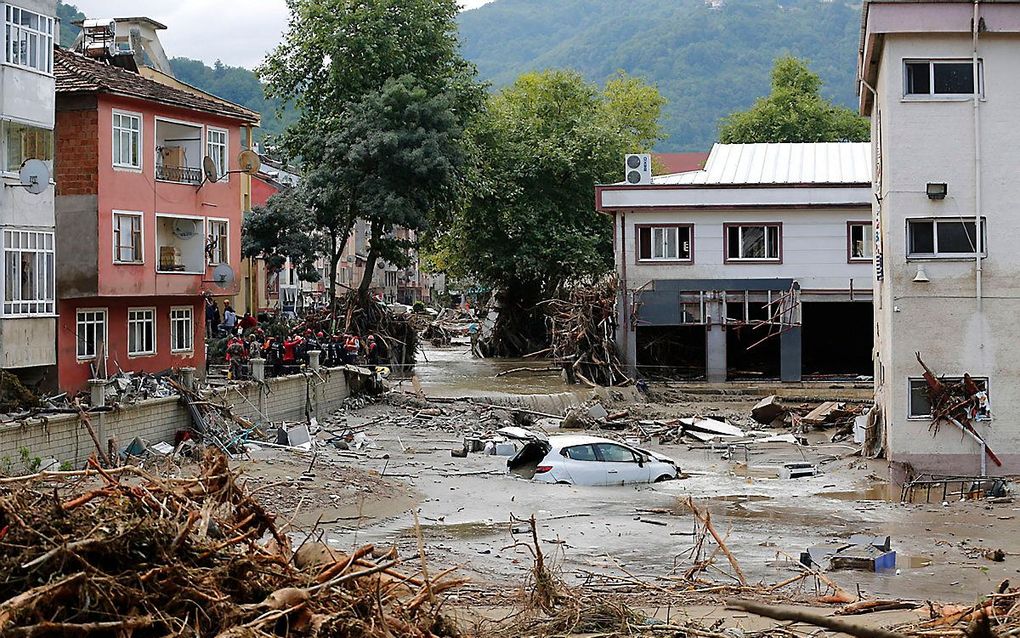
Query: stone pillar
{"x": 258, "y": 369}
{"x": 790, "y": 355}
{"x": 97, "y": 388}
{"x": 715, "y": 342}
{"x": 313, "y": 359}
{"x": 188, "y": 378}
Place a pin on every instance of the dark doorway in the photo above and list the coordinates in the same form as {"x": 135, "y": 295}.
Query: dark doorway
{"x": 837, "y": 338}
{"x": 671, "y": 351}
{"x": 748, "y": 356}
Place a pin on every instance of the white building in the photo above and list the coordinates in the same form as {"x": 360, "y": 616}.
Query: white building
{"x": 946, "y": 147}
{"x": 27, "y": 96}
{"x": 757, "y": 266}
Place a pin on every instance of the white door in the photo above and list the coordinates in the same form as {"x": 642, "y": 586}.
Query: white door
{"x": 583, "y": 466}
{"x": 622, "y": 464}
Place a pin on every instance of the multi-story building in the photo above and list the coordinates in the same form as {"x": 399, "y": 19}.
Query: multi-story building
{"x": 141, "y": 229}
{"x": 939, "y": 82}
{"x": 28, "y": 313}
{"x": 756, "y": 266}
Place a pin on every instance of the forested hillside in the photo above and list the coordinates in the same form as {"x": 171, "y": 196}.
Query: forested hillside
{"x": 706, "y": 60}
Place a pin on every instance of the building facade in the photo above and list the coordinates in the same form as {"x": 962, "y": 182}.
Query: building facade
{"x": 28, "y": 313}
{"x": 142, "y": 232}
{"x": 939, "y": 83}
{"x": 757, "y": 266}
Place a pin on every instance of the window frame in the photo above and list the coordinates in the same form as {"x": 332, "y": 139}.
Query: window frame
{"x": 49, "y": 280}
{"x": 209, "y": 222}
{"x": 8, "y": 169}
{"x": 209, "y": 130}
{"x": 151, "y": 310}
{"x": 912, "y": 416}
{"x": 936, "y": 255}
{"x": 44, "y": 39}
{"x": 730, "y": 259}
{"x": 115, "y": 130}
{"x": 597, "y": 446}
{"x": 931, "y": 96}
{"x": 638, "y": 259}
{"x": 191, "y": 333}
{"x": 869, "y": 239}
{"x": 77, "y": 334}
{"x": 141, "y": 237}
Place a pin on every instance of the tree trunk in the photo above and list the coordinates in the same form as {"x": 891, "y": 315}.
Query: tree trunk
{"x": 373, "y": 257}
{"x": 334, "y": 260}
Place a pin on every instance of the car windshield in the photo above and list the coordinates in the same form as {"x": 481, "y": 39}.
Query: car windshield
{"x": 611, "y": 453}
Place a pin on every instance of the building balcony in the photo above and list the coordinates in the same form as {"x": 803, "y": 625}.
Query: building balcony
{"x": 179, "y": 174}
{"x": 179, "y": 152}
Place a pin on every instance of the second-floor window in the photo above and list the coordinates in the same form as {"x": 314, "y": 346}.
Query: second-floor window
{"x": 940, "y": 77}
{"x": 29, "y": 40}
{"x": 90, "y": 333}
{"x": 29, "y": 274}
{"x": 862, "y": 243}
{"x": 141, "y": 331}
{"x": 182, "y": 329}
{"x": 218, "y": 242}
{"x": 127, "y": 237}
{"x": 23, "y": 143}
{"x": 127, "y": 140}
{"x": 216, "y": 148}
{"x": 950, "y": 238}
{"x": 664, "y": 243}
{"x": 753, "y": 242}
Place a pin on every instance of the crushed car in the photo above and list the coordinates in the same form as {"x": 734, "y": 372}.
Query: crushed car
{"x": 585, "y": 460}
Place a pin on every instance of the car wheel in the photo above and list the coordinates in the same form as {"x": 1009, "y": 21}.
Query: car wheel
{"x": 664, "y": 477}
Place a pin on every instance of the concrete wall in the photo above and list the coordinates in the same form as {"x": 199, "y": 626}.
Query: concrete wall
{"x": 933, "y": 141}
{"x": 28, "y": 341}
{"x": 65, "y": 439}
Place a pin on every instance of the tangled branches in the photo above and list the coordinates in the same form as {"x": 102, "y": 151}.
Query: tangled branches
{"x": 582, "y": 329}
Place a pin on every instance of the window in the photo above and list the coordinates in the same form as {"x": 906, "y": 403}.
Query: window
{"x": 664, "y": 243}
{"x": 940, "y": 77}
{"x": 612, "y": 453}
{"x": 216, "y": 148}
{"x": 390, "y": 278}
{"x": 24, "y": 143}
{"x": 944, "y": 238}
{"x": 141, "y": 331}
{"x": 127, "y": 238}
{"x": 862, "y": 241}
{"x": 182, "y": 330}
{"x": 127, "y": 140}
{"x": 579, "y": 453}
{"x": 29, "y": 276}
{"x": 919, "y": 406}
{"x": 217, "y": 248}
{"x": 758, "y": 242}
{"x": 91, "y": 333}
{"x": 29, "y": 39}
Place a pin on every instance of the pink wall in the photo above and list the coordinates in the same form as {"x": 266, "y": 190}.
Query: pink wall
{"x": 124, "y": 189}
{"x": 261, "y": 191}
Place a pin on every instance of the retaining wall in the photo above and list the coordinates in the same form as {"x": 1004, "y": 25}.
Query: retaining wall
{"x": 64, "y": 438}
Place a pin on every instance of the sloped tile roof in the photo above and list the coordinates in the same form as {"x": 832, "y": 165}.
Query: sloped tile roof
{"x": 75, "y": 73}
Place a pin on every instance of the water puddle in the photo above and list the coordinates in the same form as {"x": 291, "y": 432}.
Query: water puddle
{"x": 473, "y": 529}
{"x": 886, "y": 492}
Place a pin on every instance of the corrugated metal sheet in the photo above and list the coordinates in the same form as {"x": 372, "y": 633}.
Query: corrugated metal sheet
{"x": 808, "y": 163}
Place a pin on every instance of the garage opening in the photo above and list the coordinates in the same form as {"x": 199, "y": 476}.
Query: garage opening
{"x": 748, "y": 357}
{"x": 671, "y": 351}
{"x": 837, "y": 339}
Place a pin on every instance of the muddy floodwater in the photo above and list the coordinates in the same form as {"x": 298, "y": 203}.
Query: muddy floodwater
{"x": 465, "y": 505}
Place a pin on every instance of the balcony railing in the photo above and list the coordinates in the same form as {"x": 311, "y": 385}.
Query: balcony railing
{"x": 181, "y": 174}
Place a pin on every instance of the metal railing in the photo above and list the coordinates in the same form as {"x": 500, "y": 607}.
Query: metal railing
{"x": 181, "y": 174}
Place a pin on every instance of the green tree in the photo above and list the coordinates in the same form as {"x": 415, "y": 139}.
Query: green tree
{"x": 383, "y": 95}
{"x": 531, "y": 226}
{"x": 794, "y": 111}
{"x": 279, "y": 231}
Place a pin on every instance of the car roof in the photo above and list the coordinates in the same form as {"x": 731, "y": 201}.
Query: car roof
{"x": 567, "y": 440}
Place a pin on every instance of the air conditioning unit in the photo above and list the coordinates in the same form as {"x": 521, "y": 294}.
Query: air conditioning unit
{"x": 639, "y": 169}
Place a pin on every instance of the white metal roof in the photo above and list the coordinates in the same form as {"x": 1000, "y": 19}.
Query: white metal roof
{"x": 804, "y": 163}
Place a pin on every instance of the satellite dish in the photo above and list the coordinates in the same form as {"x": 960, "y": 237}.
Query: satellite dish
{"x": 249, "y": 161}
{"x": 223, "y": 276}
{"x": 185, "y": 228}
{"x": 209, "y": 168}
{"x": 35, "y": 176}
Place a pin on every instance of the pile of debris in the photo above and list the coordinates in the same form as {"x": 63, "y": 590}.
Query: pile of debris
{"x": 582, "y": 329}
{"x": 828, "y": 414}
{"x": 125, "y": 552}
{"x": 370, "y": 317}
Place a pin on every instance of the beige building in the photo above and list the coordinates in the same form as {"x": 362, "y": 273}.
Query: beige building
{"x": 945, "y": 147}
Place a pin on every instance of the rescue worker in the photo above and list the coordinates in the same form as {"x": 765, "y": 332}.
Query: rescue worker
{"x": 237, "y": 356}
{"x": 290, "y": 352}
{"x": 352, "y": 348}
{"x": 373, "y": 351}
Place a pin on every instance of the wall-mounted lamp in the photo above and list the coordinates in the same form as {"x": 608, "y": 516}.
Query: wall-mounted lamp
{"x": 936, "y": 190}
{"x": 921, "y": 277}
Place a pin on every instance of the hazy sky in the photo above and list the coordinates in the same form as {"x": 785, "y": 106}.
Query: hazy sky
{"x": 239, "y": 32}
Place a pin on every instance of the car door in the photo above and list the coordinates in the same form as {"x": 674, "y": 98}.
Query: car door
{"x": 621, "y": 464}
{"x": 582, "y": 465}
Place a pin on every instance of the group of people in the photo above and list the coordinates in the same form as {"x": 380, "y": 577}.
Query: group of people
{"x": 227, "y": 323}
{"x": 286, "y": 355}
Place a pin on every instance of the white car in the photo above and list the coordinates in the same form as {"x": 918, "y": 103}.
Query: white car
{"x": 587, "y": 460}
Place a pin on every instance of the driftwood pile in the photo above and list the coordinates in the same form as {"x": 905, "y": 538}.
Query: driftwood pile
{"x": 123, "y": 552}
{"x": 363, "y": 317}
{"x": 582, "y": 329}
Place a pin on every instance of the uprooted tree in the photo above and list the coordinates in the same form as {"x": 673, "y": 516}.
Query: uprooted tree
{"x": 380, "y": 132}
{"x": 531, "y": 227}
